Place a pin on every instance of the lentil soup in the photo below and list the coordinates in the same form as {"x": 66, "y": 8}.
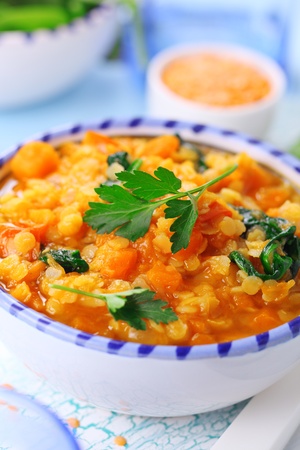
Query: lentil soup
{"x": 221, "y": 287}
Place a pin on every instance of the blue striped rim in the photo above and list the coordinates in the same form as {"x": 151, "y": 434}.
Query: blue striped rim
{"x": 145, "y": 350}
{"x": 82, "y": 338}
{"x": 224, "y": 348}
{"x": 16, "y": 308}
{"x": 182, "y": 352}
{"x": 76, "y": 129}
{"x": 253, "y": 141}
{"x": 135, "y": 122}
{"x": 227, "y": 133}
{"x": 114, "y": 346}
{"x": 106, "y": 124}
{"x": 198, "y": 128}
{"x": 260, "y": 342}
{"x": 295, "y": 326}
{"x": 276, "y": 152}
{"x": 171, "y": 123}
{"x": 46, "y": 137}
{"x": 42, "y": 324}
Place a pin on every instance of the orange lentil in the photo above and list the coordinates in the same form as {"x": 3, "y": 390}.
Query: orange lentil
{"x": 120, "y": 440}
{"x": 12, "y": 408}
{"x": 7, "y": 386}
{"x": 73, "y": 422}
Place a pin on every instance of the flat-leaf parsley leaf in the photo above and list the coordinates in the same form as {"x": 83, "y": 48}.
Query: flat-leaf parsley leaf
{"x": 130, "y": 207}
{"x": 132, "y": 306}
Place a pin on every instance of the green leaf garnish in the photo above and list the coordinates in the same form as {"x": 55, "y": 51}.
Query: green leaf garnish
{"x": 270, "y": 225}
{"x": 28, "y": 15}
{"x": 120, "y": 158}
{"x": 70, "y": 260}
{"x": 132, "y": 306}
{"x": 129, "y": 211}
{"x": 144, "y": 185}
{"x": 186, "y": 213}
{"x": 200, "y": 163}
{"x": 281, "y": 253}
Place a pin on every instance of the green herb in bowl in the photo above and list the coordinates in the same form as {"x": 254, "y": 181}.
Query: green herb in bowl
{"x": 31, "y": 15}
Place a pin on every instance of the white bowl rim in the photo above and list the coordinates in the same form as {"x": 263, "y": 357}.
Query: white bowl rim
{"x": 87, "y": 18}
{"x": 148, "y": 126}
{"x": 265, "y": 65}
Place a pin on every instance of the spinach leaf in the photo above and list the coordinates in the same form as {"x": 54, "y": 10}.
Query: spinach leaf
{"x": 282, "y": 252}
{"x": 70, "y": 260}
{"x": 271, "y": 225}
{"x": 280, "y": 266}
{"x": 119, "y": 157}
{"x": 200, "y": 164}
{"x": 122, "y": 159}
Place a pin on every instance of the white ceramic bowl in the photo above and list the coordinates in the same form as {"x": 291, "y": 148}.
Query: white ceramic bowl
{"x": 36, "y": 66}
{"x": 253, "y": 118}
{"x": 145, "y": 379}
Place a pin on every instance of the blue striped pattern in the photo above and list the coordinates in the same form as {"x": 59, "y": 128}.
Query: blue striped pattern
{"x": 262, "y": 340}
{"x": 42, "y": 323}
{"x": 129, "y": 349}
{"x": 224, "y": 348}
{"x": 295, "y": 326}
{"x": 82, "y": 338}
{"x": 145, "y": 350}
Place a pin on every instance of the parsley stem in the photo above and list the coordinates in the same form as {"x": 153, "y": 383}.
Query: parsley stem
{"x": 198, "y": 189}
{"x": 204, "y": 186}
{"x": 99, "y": 296}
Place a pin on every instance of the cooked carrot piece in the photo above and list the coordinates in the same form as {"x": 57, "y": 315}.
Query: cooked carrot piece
{"x": 273, "y": 195}
{"x": 216, "y": 210}
{"x": 119, "y": 263}
{"x": 34, "y": 160}
{"x": 164, "y": 279}
{"x": 163, "y": 146}
{"x": 265, "y": 320}
{"x": 93, "y": 138}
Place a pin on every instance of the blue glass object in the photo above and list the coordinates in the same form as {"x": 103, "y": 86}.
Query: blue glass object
{"x": 27, "y": 425}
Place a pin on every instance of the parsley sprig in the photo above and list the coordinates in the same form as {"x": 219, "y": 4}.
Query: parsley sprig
{"x": 131, "y": 306}
{"x": 129, "y": 208}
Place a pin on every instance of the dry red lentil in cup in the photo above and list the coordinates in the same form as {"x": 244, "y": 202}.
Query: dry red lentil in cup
{"x": 215, "y": 80}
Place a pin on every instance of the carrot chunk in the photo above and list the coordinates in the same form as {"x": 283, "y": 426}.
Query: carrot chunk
{"x": 163, "y": 146}
{"x": 93, "y": 138}
{"x": 164, "y": 279}
{"x": 34, "y": 160}
{"x": 119, "y": 263}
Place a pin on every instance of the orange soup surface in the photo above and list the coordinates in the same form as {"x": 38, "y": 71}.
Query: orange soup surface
{"x": 42, "y": 208}
{"x": 215, "y": 80}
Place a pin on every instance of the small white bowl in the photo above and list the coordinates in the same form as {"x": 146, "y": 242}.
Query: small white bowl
{"x": 252, "y": 118}
{"x": 39, "y": 65}
{"x": 153, "y": 380}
